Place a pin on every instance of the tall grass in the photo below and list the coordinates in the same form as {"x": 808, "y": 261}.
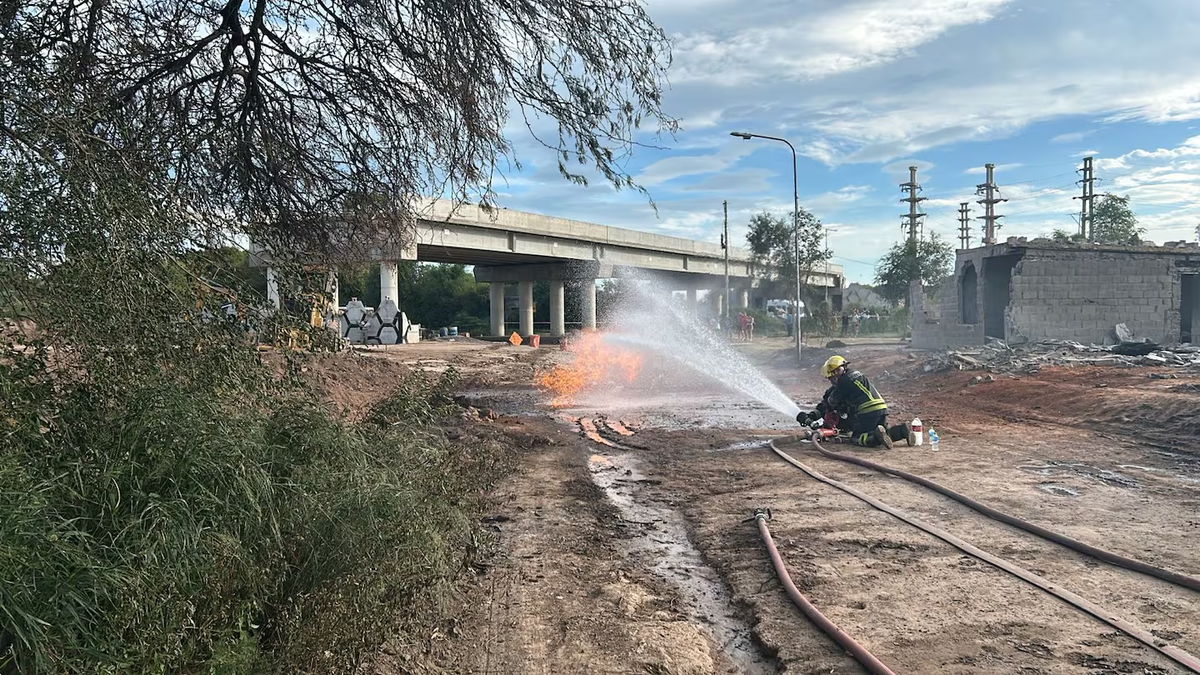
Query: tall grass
{"x": 146, "y": 527}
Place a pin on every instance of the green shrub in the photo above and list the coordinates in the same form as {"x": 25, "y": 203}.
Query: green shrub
{"x": 147, "y": 527}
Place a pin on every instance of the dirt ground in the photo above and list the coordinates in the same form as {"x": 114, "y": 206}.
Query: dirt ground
{"x": 625, "y": 544}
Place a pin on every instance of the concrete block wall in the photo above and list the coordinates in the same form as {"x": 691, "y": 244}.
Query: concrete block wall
{"x": 936, "y": 316}
{"x": 1080, "y": 295}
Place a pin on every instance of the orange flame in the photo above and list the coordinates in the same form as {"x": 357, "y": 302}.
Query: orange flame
{"x": 595, "y": 363}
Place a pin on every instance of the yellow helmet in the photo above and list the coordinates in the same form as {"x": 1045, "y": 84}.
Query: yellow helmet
{"x": 832, "y": 364}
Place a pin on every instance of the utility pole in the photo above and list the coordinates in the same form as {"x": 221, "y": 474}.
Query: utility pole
{"x": 964, "y": 226}
{"x": 912, "y": 187}
{"x": 988, "y": 191}
{"x": 1087, "y": 199}
{"x": 725, "y": 245}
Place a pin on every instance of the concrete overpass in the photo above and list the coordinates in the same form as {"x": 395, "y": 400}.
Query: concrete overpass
{"x": 516, "y": 247}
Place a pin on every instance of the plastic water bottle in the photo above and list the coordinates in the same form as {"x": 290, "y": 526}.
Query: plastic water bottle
{"x": 917, "y": 429}
{"x": 933, "y": 439}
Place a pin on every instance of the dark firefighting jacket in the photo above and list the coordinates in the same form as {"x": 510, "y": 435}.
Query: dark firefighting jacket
{"x": 855, "y": 393}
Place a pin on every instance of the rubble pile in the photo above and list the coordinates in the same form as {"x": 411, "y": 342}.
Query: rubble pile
{"x": 998, "y": 357}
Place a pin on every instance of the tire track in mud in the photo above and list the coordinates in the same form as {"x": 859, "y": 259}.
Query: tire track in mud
{"x": 915, "y": 602}
{"x": 667, "y": 550}
{"x": 1167, "y": 610}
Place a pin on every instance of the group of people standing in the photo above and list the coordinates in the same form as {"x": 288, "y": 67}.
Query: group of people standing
{"x": 852, "y": 321}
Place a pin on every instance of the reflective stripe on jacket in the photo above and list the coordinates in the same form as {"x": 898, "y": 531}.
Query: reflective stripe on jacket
{"x": 856, "y": 391}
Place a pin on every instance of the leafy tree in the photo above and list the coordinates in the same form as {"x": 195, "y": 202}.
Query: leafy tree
{"x": 1113, "y": 222}
{"x": 302, "y": 120}
{"x": 931, "y": 260}
{"x": 172, "y": 502}
{"x": 1064, "y": 237}
{"x": 772, "y": 242}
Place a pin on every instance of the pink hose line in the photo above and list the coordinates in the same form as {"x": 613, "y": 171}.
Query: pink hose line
{"x": 1180, "y": 656}
{"x": 860, "y": 653}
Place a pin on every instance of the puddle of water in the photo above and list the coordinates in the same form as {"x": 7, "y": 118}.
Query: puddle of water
{"x": 679, "y": 563}
{"x": 1053, "y": 489}
{"x": 743, "y": 445}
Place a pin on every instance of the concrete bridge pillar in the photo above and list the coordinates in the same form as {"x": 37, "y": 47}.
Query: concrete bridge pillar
{"x": 744, "y": 298}
{"x": 718, "y": 299}
{"x": 525, "y": 319}
{"x": 691, "y": 300}
{"x": 587, "y": 303}
{"x": 496, "y": 298}
{"x": 389, "y": 282}
{"x": 558, "y": 324}
{"x": 332, "y": 290}
{"x": 273, "y": 288}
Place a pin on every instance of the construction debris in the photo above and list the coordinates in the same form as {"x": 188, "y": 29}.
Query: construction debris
{"x": 998, "y": 357}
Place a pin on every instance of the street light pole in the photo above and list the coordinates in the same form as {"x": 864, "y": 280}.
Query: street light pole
{"x": 795, "y": 227}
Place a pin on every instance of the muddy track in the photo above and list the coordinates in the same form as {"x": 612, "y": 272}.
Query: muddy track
{"x": 871, "y": 573}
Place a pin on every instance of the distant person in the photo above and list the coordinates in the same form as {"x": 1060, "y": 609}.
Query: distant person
{"x": 749, "y": 327}
{"x": 845, "y": 324}
{"x": 855, "y": 321}
{"x": 789, "y": 319}
{"x": 853, "y": 392}
{"x": 743, "y": 326}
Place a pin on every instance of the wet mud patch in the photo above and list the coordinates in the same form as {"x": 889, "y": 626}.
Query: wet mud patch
{"x": 661, "y": 539}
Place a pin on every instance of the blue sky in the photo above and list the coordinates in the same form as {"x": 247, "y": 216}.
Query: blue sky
{"x": 866, "y": 88}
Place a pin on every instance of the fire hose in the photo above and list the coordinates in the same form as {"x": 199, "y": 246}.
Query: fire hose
{"x": 1176, "y": 654}
{"x": 860, "y": 653}
{"x": 1098, "y": 553}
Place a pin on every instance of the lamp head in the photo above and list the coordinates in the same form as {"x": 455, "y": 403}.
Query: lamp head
{"x": 741, "y": 134}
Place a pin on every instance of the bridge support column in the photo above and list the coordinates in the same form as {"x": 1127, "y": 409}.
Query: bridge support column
{"x": 333, "y": 290}
{"x": 389, "y": 283}
{"x": 691, "y": 300}
{"x": 558, "y": 324}
{"x": 525, "y": 320}
{"x": 587, "y": 303}
{"x": 273, "y": 288}
{"x": 718, "y": 302}
{"x": 496, "y": 298}
{"x": 744, "y": 298}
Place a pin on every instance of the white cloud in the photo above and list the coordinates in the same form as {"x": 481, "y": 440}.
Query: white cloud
{"x": 831, "y": 201}
{"x": 898, "y": 171}
{"x": 803, "y": 43}
{"x": 981, "y": 170}
{"x": 1073, "y": 137}
{"x": 691, "y": 165}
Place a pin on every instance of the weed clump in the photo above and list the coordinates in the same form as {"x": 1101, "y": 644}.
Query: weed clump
{"x": 152, "y": 525}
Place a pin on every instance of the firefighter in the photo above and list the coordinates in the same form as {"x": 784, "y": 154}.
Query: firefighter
{"x": 827, "y": 412}
{"x": 868, "y": 411}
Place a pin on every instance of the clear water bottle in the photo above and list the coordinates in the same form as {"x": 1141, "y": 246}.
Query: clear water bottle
{"x": 933, "y": 439}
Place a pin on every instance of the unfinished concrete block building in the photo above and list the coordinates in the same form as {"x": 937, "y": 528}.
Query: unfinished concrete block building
{"x": 1027, "y": 291}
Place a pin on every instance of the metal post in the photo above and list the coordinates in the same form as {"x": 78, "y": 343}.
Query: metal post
{"x": 964, "y": 226}
{"x": 827, "y": 282}
{"x": 1085, "y": 210}
{"x": 795, "y": 224}
{"x": 796, "y": 236}
{"x": 725, "y": 245}
{"x": 988, "y": 192}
